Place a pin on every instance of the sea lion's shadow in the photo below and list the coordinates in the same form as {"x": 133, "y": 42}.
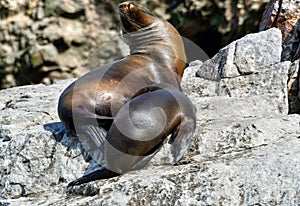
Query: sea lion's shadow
{"x": 62, "y": 135}
{"x": 71, "y": 141}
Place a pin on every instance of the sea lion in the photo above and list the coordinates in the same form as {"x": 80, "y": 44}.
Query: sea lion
{"x": 139, "y": 130}
{"x": 99, "y": 104}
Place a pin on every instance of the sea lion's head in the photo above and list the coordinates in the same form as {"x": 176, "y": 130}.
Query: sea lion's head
{"x": 134, "y": 18}
{"x": 145, "y": 33}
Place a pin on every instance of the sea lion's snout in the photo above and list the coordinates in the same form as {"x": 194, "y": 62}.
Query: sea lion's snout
{"x": 123, "y": 7}
{"x": 132, "y": 17}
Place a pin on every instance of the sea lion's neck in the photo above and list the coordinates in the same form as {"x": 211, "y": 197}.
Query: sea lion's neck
{"x": 153, "y": 38}
{"x": 160, "y": 42}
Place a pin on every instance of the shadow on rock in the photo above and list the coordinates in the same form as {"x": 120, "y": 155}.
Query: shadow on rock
{"x": 63, "y": 135}
{"x": 71, "y": 142}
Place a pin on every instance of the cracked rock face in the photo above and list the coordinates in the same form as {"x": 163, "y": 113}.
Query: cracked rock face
{"x": 250, "y": 70}
{"x": 245, "y": 149}
{"x": 285, "y": 16}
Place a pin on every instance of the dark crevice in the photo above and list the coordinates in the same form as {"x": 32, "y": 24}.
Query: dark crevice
{"x": 61, "y": 45}
{"x": 275, "y": 22}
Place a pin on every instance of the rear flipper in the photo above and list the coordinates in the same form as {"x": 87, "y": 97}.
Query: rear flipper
{"x": 104, "y": 173}
{"x": 92, "y": 138}
{"x": 181, "y": 138}
{"x": 96, "y": 175}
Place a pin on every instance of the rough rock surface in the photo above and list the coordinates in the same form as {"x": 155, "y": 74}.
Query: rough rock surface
{"x": 77, "y": 28}
{"x": 285, "y": 15}
{"x": 213, "y": 24}
{"x": 234, "y": 72}
{"x": 245, "y": 150}
{"x": 37, "y": 36}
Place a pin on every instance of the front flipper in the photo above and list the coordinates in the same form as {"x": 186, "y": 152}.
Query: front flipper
{"x": 96, "y": 175}
{"x": 92, "y": 139}
{"x": 181, "y": 138}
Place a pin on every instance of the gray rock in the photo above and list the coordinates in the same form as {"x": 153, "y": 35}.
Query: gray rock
{"x": 69, "y": 9}
{"x": 248, "y": 69}
{"x": 248, "y": 55}
{"x": 245, "y": 149}
{"x": 6, "y": 57}
{"x": 32, "y": 157}
{"x": 69, "y": 59}
{"x": 241, "y": 160}
{"x": 294, "y": 88}
{"x": 52, "y": 32}
{"x": 71, "y": 31}
{"x": 49, "y": 53}
{"x": 40, "y": 11}
{"x": 67, "y": 24}
{"x": 285, "y": 16}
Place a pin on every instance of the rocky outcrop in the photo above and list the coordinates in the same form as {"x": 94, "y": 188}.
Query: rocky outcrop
{"x": 285, "y": 15}
{"x": 245, "y": 150}
{"x": 45, "y": 40}
{"x": 82, "y": 34}
{"x": 214, "y": 24}
{"x": 234, "y": 72}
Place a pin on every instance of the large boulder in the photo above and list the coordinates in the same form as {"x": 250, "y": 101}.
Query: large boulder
{"x": 245, "y": 149}
{"x": 285, "y": 15}
{"x": 251, "y": 71}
